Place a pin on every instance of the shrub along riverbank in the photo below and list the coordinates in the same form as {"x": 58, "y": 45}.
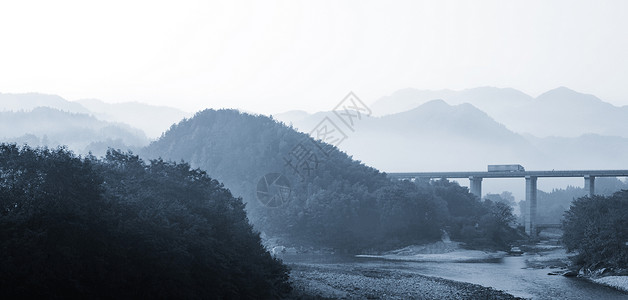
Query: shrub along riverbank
{"x": 596, "y": 228}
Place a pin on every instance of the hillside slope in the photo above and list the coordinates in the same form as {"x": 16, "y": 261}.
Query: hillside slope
{"x": 323, "y": 196}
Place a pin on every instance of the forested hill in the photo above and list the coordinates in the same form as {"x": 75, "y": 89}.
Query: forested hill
{"x": 120, "y": 228}
{"x": 239, "y": 149}
{"x": 333, "y": 200}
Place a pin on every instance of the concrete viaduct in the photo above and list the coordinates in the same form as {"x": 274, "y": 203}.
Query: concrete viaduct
{"x": 475, "y": 183}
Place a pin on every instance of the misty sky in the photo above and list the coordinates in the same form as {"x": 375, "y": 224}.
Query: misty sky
{"x": 274, "y": 56}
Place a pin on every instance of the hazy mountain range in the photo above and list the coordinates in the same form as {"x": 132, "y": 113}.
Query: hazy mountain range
{"x": 29, "y": 101}
{"x": 558, "y": 112}
{"x": 560, "y": 129}
{"x": 45, "y": 126}
{"x": 466, "y": 130}
{"x": 410, "y": 130}
{"x": 152, "y": 120}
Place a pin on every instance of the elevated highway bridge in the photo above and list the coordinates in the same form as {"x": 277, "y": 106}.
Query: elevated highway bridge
{"x": 531, "y": 177}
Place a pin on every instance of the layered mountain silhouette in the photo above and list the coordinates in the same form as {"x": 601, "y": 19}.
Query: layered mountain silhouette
{"x": 410, "y": 130}
{"x": 439, "y": 136}
{"x": 45, "y": 126}
{"x": 433, "y": 136}
{"x": 559, "y": 112}
{"x": 30, "y": 101}
{"x": 84, "y": 126}
{"x": 153, "y": 120}
{"x": 566, "y": 113}
{"x": 489, "y": 99}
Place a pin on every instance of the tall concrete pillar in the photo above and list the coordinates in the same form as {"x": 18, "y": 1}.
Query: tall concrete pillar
{"x": 531, "y": 199}
{"x": 475, "y": 185}
{"x": 589, "y": 184}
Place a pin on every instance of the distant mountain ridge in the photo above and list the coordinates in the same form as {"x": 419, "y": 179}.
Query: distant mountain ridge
{"x": 84, "y": 126}
{"x": 429, "y": 137}
{"x": 440, "y": 136}
{"x": 489, "y": 99}
{"x": 563, "y": 112}
{"x": 151, "y": 119}
{"x": 560, "y": 129}
{"x": 82, "y": 133}
{"x": 30, "y": 101}
{"x": 558, "y": 112}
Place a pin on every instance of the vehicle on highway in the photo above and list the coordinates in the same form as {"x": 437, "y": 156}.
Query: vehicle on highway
{"x": 506, "y": 168}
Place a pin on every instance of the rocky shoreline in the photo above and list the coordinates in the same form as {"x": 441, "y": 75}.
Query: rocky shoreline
{"x": 348, "y": 281}
{"x": 553, "y": 255}
{"x": 324, "y": 275}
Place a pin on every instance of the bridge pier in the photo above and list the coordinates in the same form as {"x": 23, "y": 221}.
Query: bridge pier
{"x": 475, "y": 185}
{"x": 531, "y": 199}
{"x": 589, "y": 184}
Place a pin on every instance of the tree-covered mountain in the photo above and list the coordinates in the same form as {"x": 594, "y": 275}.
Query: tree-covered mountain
{"x": 120, "y": 228}
{"x": 80, "y": 132}
{"x": 240, "y": 149}
{"x": 327, "y": 198}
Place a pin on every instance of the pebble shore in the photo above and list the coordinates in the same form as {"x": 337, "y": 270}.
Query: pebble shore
{"x": 346, "y": 281}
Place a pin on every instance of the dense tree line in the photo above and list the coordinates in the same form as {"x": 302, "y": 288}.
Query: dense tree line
{"x": 597, "y": 229}
{"x": 118, "y": 227}
{"x": 338, "y": 202}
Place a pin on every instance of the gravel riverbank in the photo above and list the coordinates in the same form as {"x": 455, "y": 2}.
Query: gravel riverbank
{"x": 618, "y": 282}
{"x": 348, "y": 281}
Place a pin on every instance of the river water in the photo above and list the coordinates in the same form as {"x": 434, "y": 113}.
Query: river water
{"x": 510, "y": 274}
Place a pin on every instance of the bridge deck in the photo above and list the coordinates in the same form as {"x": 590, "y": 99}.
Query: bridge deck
{"x": 518, "y": 174}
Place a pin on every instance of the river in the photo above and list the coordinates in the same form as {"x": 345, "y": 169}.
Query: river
{"x": 510, "y": 274}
